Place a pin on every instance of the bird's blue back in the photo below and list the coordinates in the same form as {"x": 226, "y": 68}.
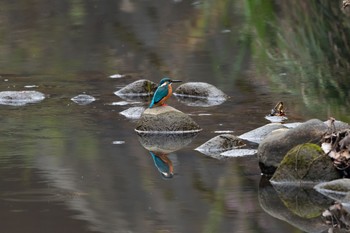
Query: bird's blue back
{"x": 160, "y": 93}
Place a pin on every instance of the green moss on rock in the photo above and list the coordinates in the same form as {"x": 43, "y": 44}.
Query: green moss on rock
{"x": 305, "y": 163}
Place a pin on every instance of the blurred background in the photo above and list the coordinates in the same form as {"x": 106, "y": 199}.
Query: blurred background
{"x": 81, "y": 168}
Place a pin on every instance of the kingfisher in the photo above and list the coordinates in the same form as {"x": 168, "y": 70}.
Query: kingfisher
{"x": 163, "y": 164}
{"x": 163, "y": 92}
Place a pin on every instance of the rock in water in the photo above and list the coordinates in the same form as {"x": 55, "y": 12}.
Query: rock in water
{"x": 83, "y": 99}
{"x": 133, "y": 112}
{"x": 276, "y": 145}
{"x": 305, "y": 163}
{"x": 20, "y": 98}
{"x": 221, "y": 143}
{"x": 257, "y": 135}
{"x": 141, "y": 87}
{"x": 165, "y": 119}
{"x": 200, "y": 94}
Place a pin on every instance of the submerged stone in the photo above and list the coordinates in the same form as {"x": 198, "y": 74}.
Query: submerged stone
{"x": 165, "y": 119}
{"x": 305, "y": 163}
{"x": 20, "y": 98}
{"x": 83, "y": 99}
{"x": 141, "y": 87}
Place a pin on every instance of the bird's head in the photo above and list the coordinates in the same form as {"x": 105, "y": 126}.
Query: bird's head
{"x": 167, "y": 81}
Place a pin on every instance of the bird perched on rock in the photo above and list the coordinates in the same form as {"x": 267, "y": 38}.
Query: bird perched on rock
{"x": 163, "y": 92}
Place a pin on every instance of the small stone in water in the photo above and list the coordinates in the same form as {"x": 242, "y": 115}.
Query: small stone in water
{"x": 133, "y": 113}
{"x": 30, "y": 86}
{"x": 118, "y": 142}
{"x": 239, "y": 152}
{"x": 117, "y": 76}
{"x": 223, "y": 131}
{"x": 122, "y": 103}
{"x": 83, "y": 99}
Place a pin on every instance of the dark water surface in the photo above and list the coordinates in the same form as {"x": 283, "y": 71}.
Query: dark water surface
{"x": 66, "y": 167}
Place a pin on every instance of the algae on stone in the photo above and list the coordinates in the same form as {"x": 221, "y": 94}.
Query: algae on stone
{"x": 305, "y": 163}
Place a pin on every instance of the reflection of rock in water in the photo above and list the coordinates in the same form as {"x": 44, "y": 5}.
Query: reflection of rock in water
{"x": 165, "y": 143}
{"x": 338, "y": 190}
{"x": 291, "y": 205}
{"x": 302, "y": 201}
{"x": 199, "y": 101}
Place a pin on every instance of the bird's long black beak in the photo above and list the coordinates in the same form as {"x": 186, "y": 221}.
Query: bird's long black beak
{"x": 176, "y": 81}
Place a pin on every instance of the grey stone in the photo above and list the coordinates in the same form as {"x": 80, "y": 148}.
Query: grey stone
{"x": 20, "y": 98}
{"x": 257, "y": 135}
{"x": 275, "y": 146}
{"x": 221, "y": 143}
{"x": 165, "y": 119}
{"x": 83, "y": 99}
{"x": 239, "y": 152}
{"x": 141, "y": 87}
{"x": 305, "y": 164}
{"x": 133, "y": 112}
{"x": 200, "y": 94}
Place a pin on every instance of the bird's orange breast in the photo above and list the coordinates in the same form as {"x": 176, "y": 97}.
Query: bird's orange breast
{"x": 170, "y": 92}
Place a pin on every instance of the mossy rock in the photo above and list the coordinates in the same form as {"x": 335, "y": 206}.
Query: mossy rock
{"x": 305, "y": 163}
{"x": 275, "y": 146}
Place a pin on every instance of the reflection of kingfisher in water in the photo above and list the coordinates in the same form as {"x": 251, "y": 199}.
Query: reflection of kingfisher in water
{"x": 163, "y": 92}
{"x": 163, "y": 164}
